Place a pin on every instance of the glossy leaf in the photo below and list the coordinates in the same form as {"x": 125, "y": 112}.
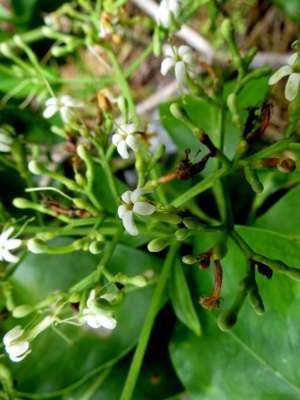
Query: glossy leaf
{"x": 258, "y": 358}
{"x": 284, "y": 216}
{"x": 181, "y": 299}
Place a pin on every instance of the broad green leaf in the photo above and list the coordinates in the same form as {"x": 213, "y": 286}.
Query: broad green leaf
{"x": 53, "y": 363}
{"x": 181, "y": 299}
{"x": 258, "y": 358}
{"x": 284, "y": 216}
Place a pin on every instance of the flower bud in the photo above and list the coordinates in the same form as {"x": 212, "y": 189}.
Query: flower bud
{"x": 193, "y": 223}
{"x": 101, "y": 306}
{"x": 189, "y": 259}
{"x": 83, "y": 152}
{"x": 241, "y": 147}
{"x": 37, "y": 246}
{"x": 75, "y": 297}
{"x": 36, "y": 167}
{"x": 152, "y": 184}
{"x": 22, "y": 311}
{"x": 80, "y": 179}
{"x": 256, "y": 302}
{"x": 122, "y": 104}
{"x": 6, "y": 50}
{"x": 182, "y": 234}
{"x": 20, "y": 202}
{"x": 227, "y": 319}
{"x": 164, "y": 217}
{"x": 139, "y": 281}
{"x": 286, "y": 165}
{"x": 96, "y": 247}
{"x": 157, "y": 46}
{"x": 122, "y": 278}
{"x": 219, "y": 251}
{"x": 160, "y": 243}
{"x": 180, "y": 113}
{"x": 232, "y": 103}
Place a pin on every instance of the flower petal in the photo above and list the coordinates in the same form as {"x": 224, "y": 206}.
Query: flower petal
{"x": 4, "y": 148}
{"x": 13, "y": 334}
{"x": 283, "y": 71}
{"x": 122, "y": 149}
{"x": 189, "y": 60}
{"x": 166, "y": 65}
{"x": 165, "y": 17}
{"x": 17, "y": 349}
{"x": 53, "y": 101}
{"x": 7, "y": 256}
{"x": 50, "y": 111}
{"x": 19, "y": 358}
{"x": 180, "y": 72}
{"x": 13, "y": 244}
{"x": 137, "y": 193}
{"x": 129, "y": 223}
{"x": 108, "y": 296}
{"x": 94, "y": 322}
{"x": 143, "y": 208}
{"x": 133, "y": 142}
{"x": 122, "y": 210}
{"x": 116, "y": 138}
{"x": 183, "y": 50}
{"x": 91, "y": 297}
{"x": 5, "y": 138}
{"x": 292, "y": 59}
{"x": 4, "y": 235}
{"x": 107, "y": 321}
{"x": 132, "y": 128}
{"x": 126, "y": 197}
{"x": 292, "y": 86}
{"x": 66, "y": 114}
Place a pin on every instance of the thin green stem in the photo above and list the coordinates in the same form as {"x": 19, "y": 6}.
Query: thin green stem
{"x": 146, "y": 53}
{"x": 242, "y": 245}
{"x": 283, "y": 144}
{"x": 148, "y": 325}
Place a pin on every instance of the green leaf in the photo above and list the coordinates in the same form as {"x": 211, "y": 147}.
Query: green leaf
{"x": 284, "y": 216}
{"x": 54, "y": 364}
{"x": 257, "y": 357}
{"x": 181, "y": 299}
{"x": 291, "y": 8}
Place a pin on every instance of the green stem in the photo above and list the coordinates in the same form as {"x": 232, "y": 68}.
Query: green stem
{"x": 147, "y": 328}
{"x": 139, "y": 60}
{"x": 283, "y": 144}
{"x": 242, "y": 245}
{"x": 109, "y": 175}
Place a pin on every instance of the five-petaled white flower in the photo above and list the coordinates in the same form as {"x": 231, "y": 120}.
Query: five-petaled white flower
{"x": 64, "y": 105}
{"x": 164, "y": 11}
{"x": 293, "y": 83}
{"x": 8, "y": 244}
{"x": 125, "y": 136}
{"x": 19, "y": 350}
{"x": 97, "y": 320}
{"x": 182, "y": 59}
{"x": 5, "y": 138}
{"x": 131, "y": 206}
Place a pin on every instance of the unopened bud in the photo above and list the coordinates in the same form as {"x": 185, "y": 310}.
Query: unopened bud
{"x": 36, "y": 167}
{"x": 6, "y": 50}
{"x": 286, "y": 165}
{"x": 100, "y": 306}
{"x": 152, "y": 184}
{"x": 80, "y": 179}
{"x": 75, "y": 297}
{"x": 22, "y": 311}
{"x": 193, "y": 223}
{"x": 96, "y": 247}
{"x": 182, "y": 234}
{"x": 227, "y": 29}
{"x": 160, "y": 243}
{"x": 139, "y": 281}
{"x": 227, "y": 319}
{"x": 20, "y": 202}
{"x": 219, "y": 251}
{"x": 232, "y": 103}
{"x": 37, "y": 246}
{"x": 165, "y": 217}
{"x": 189, "y": 259}
{"x": 256, "y": 302}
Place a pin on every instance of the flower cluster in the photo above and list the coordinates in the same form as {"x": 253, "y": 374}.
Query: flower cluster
{"x": 182, "y": 59}
{"x": 293, "y": 83}
{"x": 131, "y": 206}
{"x": 96, "y": 320}
{"x": 8, "y": 244}
{"x": 64, "y": 105}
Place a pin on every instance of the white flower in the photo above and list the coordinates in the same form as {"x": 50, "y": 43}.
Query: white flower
{"x": 164, "y": 11}
{"x": 97, "y": 320}
{"x": 19, "y": 350}
{"x": 182, "y": 59}
{"x": 64, "y": 105}
{"x": 125, "y": 136}
{"x": 8, "y": 244}
{"x": 293, "y": 83}
{"x": 131, "y": 206}
{"x": 5, "y": 139}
